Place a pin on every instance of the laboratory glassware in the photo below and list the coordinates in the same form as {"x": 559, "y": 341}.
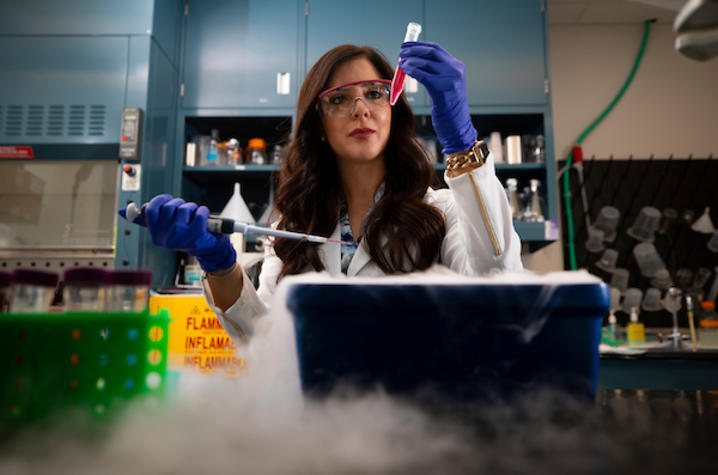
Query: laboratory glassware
{"x": 535, "y": 214}
{"x": 32, "y": 290}
{"x": 652, "y": 300}
{"x": 511, "y": 185}
{"x": 619, "y": 279}
{"x": 704, "y": 224}
{"x": 413, "y": 30}
{"x": 662, "y": 279}
{"x": 632, "y": 299}
{"x": 649, "y": 262}
{"x": 513, "y": 149}
{"x": 646, "y": 224}
{"x": 84, "y": 289}
{"x": 257, "y": 151}
{"x": 496, "y": 146}
{"x": 608, "y": 260}
{"x": 127, "y": 290}
{"x": 595, "y": 240}
{"x": 212, "y": 155}
{"x": 607, "y": 221}
{"x": 234, "y": 152}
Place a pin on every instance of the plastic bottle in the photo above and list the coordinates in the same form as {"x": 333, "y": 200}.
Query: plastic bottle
{"x": 610, "y": 332}
{"x": 257, "y": 151}
{"x": 636, "y": 332}
{"x": 84, "y": 289}
{"x": 32, "y": 291}
{"x": 5, "y": 281}
{"x": 212, "y": 153}
{"x": 127, "y": 290}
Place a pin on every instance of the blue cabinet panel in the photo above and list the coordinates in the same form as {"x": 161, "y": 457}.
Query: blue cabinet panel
{"x": 234, "y": 51}
{"x": 62, "y": 89}
{"x": 501, "y": 44}
{"x": 75, "y": 17}
{"x": 167, "y": 26}
{"x": 377, "y": 23}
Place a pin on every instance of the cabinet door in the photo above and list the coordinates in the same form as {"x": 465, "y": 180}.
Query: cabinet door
{"x": 500, "y": 43}
{"x": 62, "y": 89}
{"x": 234, "y": 51}
{"x": 377, "y": 23}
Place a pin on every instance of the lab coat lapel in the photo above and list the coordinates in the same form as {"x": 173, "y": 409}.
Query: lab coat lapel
{"x": 359, "y": 260}
{"x": 331, "y": 254}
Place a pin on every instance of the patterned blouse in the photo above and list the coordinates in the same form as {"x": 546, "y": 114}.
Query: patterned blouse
{"x": 348, "y": 250}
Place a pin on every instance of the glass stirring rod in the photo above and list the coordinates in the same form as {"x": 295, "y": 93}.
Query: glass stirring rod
{"x": 217, "y": 224}
{"x": 413, "y": 30}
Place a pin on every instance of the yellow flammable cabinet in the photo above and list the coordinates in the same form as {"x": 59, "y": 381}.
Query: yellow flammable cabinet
{"x": 196, "y": 337}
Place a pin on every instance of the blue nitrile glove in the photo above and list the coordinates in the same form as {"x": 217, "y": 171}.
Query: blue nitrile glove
{"x": 182, "y": 226}
{"x": 443, "y": 77}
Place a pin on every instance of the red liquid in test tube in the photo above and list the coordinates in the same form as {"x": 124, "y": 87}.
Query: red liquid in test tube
{"x": 397, "y": 83}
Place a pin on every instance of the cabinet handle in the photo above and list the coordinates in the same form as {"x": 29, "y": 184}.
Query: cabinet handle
{"x": 283, "y": 82}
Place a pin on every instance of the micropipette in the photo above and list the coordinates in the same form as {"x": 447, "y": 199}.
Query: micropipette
{"x": 397, "y": 83}
{"x": 217, "y": 224}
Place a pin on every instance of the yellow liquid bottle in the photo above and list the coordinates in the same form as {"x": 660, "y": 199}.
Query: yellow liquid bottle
{"x": 636, "y": 332}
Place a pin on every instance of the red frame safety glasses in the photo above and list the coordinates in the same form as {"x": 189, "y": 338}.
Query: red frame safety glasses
{"x": 340, "y": 100}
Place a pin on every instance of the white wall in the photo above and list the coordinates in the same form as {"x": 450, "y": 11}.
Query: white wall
{"x": 670, "y": 107}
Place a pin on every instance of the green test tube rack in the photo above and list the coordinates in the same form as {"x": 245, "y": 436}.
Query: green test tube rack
{"x": 79, "y": 362}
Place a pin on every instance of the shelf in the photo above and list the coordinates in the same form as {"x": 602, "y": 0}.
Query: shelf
{"x": 231, "y": 168}
{"x": 271, "y": 168}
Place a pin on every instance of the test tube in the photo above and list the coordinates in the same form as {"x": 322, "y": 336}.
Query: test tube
{"x": 32, "y": 290}
{"x": 5, "y": 281}
{"x": 413, "y": 30}
{"x": 127, "y": 290}
{"x": 83, "y": 290}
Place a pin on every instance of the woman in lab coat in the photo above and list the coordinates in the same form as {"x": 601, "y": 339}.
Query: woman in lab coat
{"x": 355, "y": 172}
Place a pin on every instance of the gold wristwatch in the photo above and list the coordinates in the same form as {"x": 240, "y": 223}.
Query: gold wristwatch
{"x": 466, "y": 160}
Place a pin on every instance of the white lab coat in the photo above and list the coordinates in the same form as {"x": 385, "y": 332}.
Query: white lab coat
{"x": 466, "y": 249}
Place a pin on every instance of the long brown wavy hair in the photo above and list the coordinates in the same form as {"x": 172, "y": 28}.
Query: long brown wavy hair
{"x": 310, "y": 190}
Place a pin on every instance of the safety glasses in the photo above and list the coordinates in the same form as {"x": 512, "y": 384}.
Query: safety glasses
{"x": 339, "y": 101}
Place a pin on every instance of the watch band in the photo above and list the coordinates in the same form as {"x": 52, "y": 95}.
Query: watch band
{"x": 476, "y": 155}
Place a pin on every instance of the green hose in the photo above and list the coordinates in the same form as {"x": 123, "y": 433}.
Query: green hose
{"x": 584, "y": 134}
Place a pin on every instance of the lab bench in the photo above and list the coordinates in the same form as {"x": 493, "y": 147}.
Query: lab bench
{"x": 657, "y": 365}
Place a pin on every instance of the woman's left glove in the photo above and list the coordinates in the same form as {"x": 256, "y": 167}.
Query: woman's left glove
{"x": 176, "y": 224}
{"x": 444, "y": 79}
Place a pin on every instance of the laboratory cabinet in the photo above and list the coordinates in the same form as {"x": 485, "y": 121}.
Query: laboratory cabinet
{"x": 375, "y": 23}
{"x": 502, "y": 45}
{"x": 241, "y": 54}
{"x": 235, "y": 51}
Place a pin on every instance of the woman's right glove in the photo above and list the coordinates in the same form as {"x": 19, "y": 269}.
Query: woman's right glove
{"x": 176, "y": 224}
{"x": 443, "y": 77}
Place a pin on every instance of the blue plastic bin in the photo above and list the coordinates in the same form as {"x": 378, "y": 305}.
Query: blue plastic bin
{"x": 465, "y": 340}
